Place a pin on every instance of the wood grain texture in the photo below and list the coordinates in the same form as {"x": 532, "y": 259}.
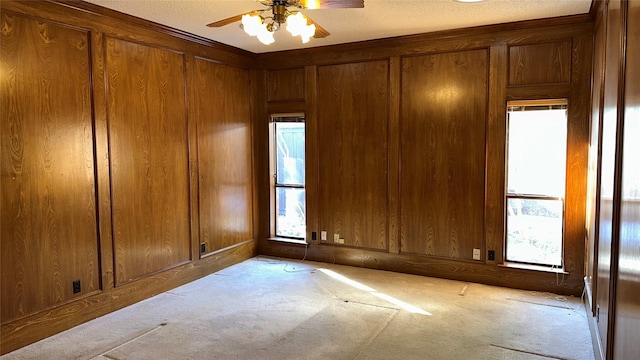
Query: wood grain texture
{"x": 443, "y": 117}
{"x": 519, "y": 33}
{"x": 222, "y": 111}
{"x": 393, "y": 215}
{"x": 540, "y": 63}
{"x": 595, "y": 160}
{"x": 285, "y": 85}
{"x": 117, "y": 24}
{"x": 430, "y": 266}
{"x": 627, "y": 318}
{"x": 49, "y": 235}
{"x": 577, "y": 156}
{"x": 353, "y": 102}
{"x": 494, "y": 210}
{"x": 26, "y": 331}
{"x": 607, "y": 176}
{"x": 312, "y": 185}
{"x": 149, "y": 159}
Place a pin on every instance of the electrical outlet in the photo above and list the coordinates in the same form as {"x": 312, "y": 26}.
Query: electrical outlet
{"x": 76, "y": 287}
{"x": 203, "y": 247}
{"x": 492, "y": 255}
{"x": 336, "y": 238}
{"x": 476, "y": 254}
{"x": 314, "y": 235}
{"x": 323, "y": 235}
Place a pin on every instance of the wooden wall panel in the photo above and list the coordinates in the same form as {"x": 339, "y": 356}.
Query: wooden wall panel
{"x": 352, "y": 152}
{"x": 221, "y": 95}
{"x": 627, "y": 318}
{"x": 595, "y": 142}
{"x": 285, "y": 85}
{"x": 494, "y": 213}
{"x": 48, "y": 212}
{"x": 540, "y": 63}
{"x": 443, "y": 116}
{"x": 149, "y": 161}
{"x": 607, "y": 177}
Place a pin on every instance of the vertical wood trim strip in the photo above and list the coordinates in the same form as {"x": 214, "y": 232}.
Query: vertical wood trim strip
{"x": 192, "y": 139}
{"x": 495, "y": 153}
{"x": 311, "y": 151}
{"x": 577, "y": 156}
{"x": 617, "y": 181}
{"x": 106, "y": 245}
{"x": 393, "y": 141}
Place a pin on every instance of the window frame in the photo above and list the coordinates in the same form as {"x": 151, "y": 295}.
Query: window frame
{"x": 551, "y": 104}
{"x": 274, "y": 185}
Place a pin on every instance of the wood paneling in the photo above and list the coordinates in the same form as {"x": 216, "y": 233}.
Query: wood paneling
{"x": 594, "y": 156}
{"x": 221, "y": 96}
{"x": 577, "y": 156}
{"x": 574, "y": 32}
{"x": 48, "y": 212}
{"x": 105, "y": 199}
{"x": 540, "y": 63}
{"x": 149, "y": 161}
{"x": 607, "y": 175}
{"x": 285, "y": 85}
{"x": 470, "y": 271}
{"x": 443, "y": 116}
{"x": 25, "y": 331}
{"x": 494, "y": 211}
{"x": 627, "y": 318}
{"x": 353, "y": 102}
{"x": 541, "y": 31}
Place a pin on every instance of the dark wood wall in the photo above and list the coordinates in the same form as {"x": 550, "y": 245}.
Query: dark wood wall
{"x": 613, "y": 281}
{"x": 406, "y": 147}
{"x": 124, "y": 147}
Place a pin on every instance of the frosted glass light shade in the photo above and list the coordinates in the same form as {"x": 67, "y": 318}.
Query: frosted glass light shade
{"x": 296, "y": 23}
{"x": 307, "y": 32}
{"x": 265, "y": 36}
{"x": 251, "y": 24}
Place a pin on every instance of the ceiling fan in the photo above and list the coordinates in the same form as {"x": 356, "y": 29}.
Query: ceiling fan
{"x": 264, "y": 22}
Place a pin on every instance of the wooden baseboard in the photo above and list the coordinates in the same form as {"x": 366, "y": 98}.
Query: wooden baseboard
{"x": 25, "y": 331}
{"x": 462, "y": 270}
{"x": 598, "y": 351}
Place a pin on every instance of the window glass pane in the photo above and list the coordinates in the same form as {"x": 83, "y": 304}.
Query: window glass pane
{"x": 537, "y": 152}
{"x": 290, "y": 153}
{"x": 290, "y": 212}
{"x": 534, "y": 231}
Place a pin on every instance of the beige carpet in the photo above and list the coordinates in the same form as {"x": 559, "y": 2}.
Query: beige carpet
{"x": 266, "y": 308}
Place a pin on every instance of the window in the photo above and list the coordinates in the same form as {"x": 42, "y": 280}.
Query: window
{"x": 288, "y": 167}
{"x": 536, "y": 168}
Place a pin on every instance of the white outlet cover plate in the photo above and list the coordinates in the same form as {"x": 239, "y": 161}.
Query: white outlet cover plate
{"x": 476, "y": 254}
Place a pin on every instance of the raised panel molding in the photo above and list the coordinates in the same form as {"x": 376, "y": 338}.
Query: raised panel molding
{"x": 534, "y": 64}
{"x": 352, "y": 152}
{"x": 220, "y": 95}
{"x": 149, "y": 159}
{"x": 48, "y": 212}
{"x": 443, "y": 120}
{"x": 285, "y": 85}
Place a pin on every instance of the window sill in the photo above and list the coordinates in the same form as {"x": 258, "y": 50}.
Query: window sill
{"x": 289, "y": 241}
{"x": 541, "y": 268}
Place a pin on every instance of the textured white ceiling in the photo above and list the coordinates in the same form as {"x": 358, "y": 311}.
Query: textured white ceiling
{"x": 378, "y": 19}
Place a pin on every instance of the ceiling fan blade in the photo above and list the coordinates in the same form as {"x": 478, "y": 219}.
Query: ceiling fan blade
{"x": 320, "y": 31}
{"x": 232, "y": 19}
{"x": 331, "y": 4}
